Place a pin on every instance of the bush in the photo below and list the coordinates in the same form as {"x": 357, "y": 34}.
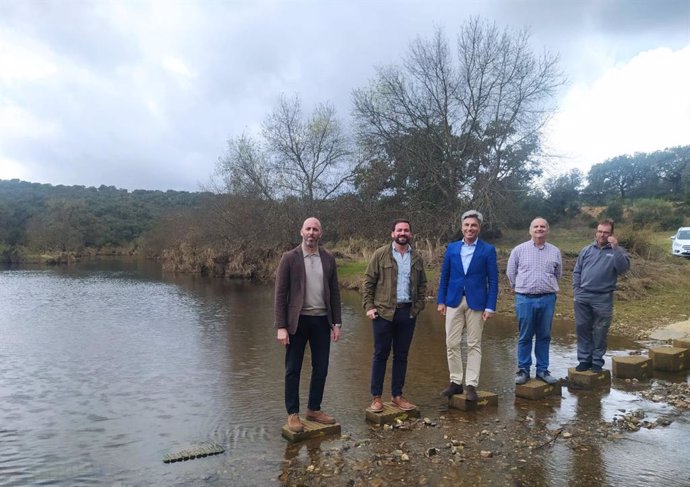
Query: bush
{"x": 655, "y": 214}
{"x": 639, "y": 242}
{"x": 614, "y": 211}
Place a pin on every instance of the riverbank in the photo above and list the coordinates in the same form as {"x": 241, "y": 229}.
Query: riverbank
{"x": 18, "y": 256}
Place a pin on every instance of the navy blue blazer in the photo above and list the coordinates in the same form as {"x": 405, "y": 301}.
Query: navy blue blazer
{"x": 479, "y": 283}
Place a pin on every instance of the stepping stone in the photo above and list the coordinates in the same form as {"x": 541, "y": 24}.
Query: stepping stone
{"x": 198, "y": 451}
{"x": 459, "y": 401}
{"x": 390, "y": 414}
{"x": 537, "y": 389}
{"x": 632, "y": 366}
{"x": 589, "y": 379}
{"x": 312, "y": 429}
{"x": 669, "y": 359}
{"x": 684, "y": 343}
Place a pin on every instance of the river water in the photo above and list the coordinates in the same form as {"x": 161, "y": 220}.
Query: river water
{"x": 107, "y": 366}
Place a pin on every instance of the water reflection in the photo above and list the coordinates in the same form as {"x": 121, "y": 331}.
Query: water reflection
{"x": 107, "y": 366}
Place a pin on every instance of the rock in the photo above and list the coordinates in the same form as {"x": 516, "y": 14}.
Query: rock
{"x": 567, "y": 434}
{"x": 486, "y": 454}
{"x": 405, "y": 457}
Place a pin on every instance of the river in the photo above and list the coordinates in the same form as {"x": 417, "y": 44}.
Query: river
{"x": 108, "y": 365}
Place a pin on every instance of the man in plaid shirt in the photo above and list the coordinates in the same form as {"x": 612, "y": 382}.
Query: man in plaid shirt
{"x": 534, "y": 268}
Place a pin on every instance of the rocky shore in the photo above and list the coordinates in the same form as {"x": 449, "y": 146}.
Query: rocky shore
{"x": 453, "y": 449}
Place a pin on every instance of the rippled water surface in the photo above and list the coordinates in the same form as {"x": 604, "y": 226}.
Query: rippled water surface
{"x": 107, "y": 366}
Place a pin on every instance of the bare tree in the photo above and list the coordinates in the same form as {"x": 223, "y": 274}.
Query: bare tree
{"x": 463, "y": 124}
{"x": 246, "y": 169}
{"x": 308, "y": 158}
{"x": 313, "y": 157}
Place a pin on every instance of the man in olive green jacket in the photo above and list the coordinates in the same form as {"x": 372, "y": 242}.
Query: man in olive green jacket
{"x": 393, "y": 295}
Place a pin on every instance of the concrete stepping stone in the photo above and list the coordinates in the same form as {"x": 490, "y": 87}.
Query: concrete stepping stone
{"x": 632, "y": 366}
{"x": 536, "y": 389}
{"x": 312, "y": 429}
{"x": 589, "y": 379}
{"x": 484, "y": 399}
{"x": 390, "y": 414}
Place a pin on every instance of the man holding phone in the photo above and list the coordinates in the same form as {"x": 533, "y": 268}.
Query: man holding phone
{"x": 594, "y": 280}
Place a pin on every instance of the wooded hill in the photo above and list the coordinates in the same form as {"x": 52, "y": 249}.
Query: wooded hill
{"x": 643, "y": 190}
{"x": 45, "y": 218}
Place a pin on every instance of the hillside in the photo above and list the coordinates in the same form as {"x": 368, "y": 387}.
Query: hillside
{"x": 45, "y": 218}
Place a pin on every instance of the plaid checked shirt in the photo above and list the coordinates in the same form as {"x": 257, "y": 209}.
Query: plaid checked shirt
{"x": 535, "y": 270}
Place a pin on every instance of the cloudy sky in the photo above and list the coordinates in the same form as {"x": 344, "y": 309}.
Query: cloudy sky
{"x": 144, "y": 94}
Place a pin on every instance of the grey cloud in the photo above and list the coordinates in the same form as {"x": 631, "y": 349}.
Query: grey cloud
{"x": 243, "y": 55}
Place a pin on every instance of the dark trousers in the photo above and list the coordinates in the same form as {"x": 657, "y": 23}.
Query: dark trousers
{"x": 316, "y": 331}
{"x": 398, "y": 334}
{"x": 592, "y": 322}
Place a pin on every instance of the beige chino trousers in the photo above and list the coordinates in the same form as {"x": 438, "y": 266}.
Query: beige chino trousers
{"x": 457, "y": 319}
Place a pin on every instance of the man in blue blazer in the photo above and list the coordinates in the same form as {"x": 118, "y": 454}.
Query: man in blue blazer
{"x": 467, "y": 295}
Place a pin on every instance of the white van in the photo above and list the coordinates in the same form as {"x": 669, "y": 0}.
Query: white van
{"x": 681, "y": 242}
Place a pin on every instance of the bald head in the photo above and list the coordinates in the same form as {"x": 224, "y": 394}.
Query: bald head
{"x": 539, "y": 230}
{"x": 311, "y": 233}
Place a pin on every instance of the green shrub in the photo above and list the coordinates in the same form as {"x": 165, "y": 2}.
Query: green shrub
{"x": 639, "y": 241}
{"x": 614, "y": 211}
{"x": 655, "y": 214}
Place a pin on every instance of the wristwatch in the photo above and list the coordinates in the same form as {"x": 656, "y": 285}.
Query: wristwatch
{"x": 338, "y": 325}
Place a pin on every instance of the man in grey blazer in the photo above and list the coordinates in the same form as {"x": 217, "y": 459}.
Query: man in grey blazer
{"x": 307, "y": 310}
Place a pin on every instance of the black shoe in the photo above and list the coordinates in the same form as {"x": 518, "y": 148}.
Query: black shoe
{"x": 471, "y": 394}
{"x": 582, "y": 366}
{"x": 452, "y": 389}
{"x": 522, "y": 377}
{"x": 596, "y": 368}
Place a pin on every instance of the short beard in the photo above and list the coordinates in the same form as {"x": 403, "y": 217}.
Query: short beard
{"x": 314, "y": 245}
{"x": 406, "y": 240}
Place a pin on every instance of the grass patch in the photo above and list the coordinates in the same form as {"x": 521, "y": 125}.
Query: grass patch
{"x": 350, "y": 269}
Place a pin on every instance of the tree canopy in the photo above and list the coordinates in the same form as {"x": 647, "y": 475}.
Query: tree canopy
{"x": 46, "y": 217}
{"x": 456, "y": 125}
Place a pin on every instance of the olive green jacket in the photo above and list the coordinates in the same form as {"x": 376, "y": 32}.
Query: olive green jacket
{"x": 381, "y": 283}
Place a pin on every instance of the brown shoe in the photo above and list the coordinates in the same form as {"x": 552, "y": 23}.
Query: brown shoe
{"x": 403, "y": 403}
{"x": 294, "y": 424}
{"x": 452, "y": 390}
{"x": 320, "y": 417}
{"x": 471, "y": 393}
{"x": 376, "y": 404}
